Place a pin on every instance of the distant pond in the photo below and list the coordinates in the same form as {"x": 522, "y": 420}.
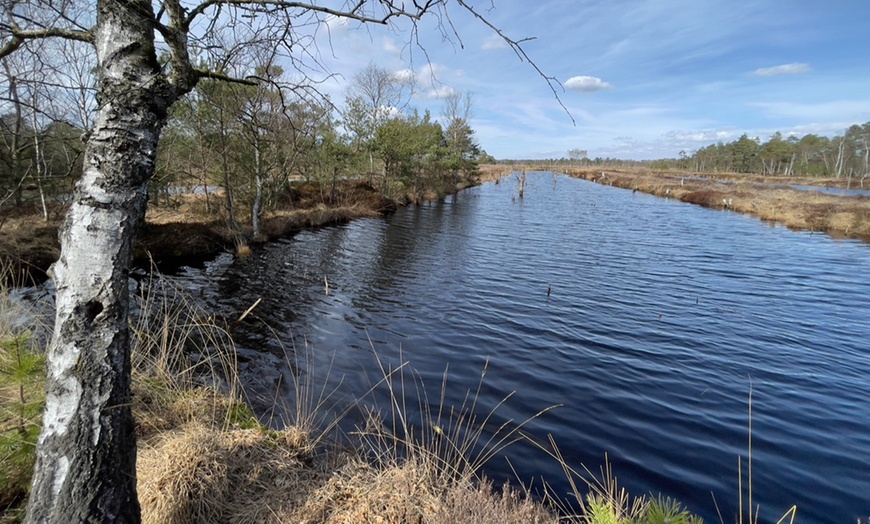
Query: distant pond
{"x": 648, "y": 320}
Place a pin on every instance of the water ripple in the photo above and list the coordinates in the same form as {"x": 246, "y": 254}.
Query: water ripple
{"x": 660, "y": 318}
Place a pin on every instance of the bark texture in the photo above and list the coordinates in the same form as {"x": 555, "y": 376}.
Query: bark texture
{"x": 86, "y": 461}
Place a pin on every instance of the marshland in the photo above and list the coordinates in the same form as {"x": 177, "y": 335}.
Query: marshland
{"x": 287, "y": 293}
{"x": 629, "y": 328}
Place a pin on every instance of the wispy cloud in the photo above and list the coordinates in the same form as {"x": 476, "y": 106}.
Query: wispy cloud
{"x": 494, "y": 42}
{"x": 586, "y": 84}
{"x": 795, "y": 68}
{"x": 337, "y": 23}
{"x": 830, "y": 110}
{"x": 440, "y": 92}
{"x": 389, "y": 45}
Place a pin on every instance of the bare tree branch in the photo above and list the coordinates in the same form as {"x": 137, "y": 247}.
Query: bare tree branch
{"x": 354, "y": 13}
{"x": 214, "y": 75}
{"x": 517, "y": 47}
{"x": 20, "y": 36}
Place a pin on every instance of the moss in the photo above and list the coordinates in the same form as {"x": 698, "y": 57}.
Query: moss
{"x": 241, "y": 416}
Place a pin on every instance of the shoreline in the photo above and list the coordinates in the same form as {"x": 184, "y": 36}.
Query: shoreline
{"x": 186, "y": 233}
{"x": 768, "y": 198}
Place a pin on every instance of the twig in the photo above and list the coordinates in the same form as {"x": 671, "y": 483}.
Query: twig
{"x": 248, "y": 311}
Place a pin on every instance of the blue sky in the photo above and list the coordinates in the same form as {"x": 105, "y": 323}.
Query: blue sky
{"x": 642, "y": 78}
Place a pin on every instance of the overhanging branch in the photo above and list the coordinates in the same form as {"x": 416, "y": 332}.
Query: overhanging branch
{"x": 516, "y": 46}
{"x": 18, "y": 37}
{"x": 355, "y": 13}
{"x": 204, "y": 73}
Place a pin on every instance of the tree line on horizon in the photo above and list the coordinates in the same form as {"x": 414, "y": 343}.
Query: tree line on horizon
{"x": 846, "y": 155}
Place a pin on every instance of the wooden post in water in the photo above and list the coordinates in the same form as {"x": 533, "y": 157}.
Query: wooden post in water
{"x": 522, "y": 182}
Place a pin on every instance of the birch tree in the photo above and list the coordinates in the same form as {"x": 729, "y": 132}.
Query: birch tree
{"x": 462, "y": 148}
{"x": 86, "y": 453}
{"x": 374, "y": 97}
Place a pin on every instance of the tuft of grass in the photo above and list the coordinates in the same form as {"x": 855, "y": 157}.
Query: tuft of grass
{"x": 603, "y": 501}
{"x": 668, "y": 511}
{"x": 452, "y": 442}
{"x": 184, "y": 364}
{"x": 421, "y": 461}
{"x": 204, "y": 474}
{"x": 427, "y": 470}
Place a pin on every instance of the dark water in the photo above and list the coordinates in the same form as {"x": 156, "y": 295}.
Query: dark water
{"x": 661, "y": 317}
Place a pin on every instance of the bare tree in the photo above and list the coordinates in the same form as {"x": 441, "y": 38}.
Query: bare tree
{"x": 578, "y": 155}
{"x": 86, "y": 454}
{"x": 374, "y": 95}
{"x": 13, "y": 138}
{"x": 462, "y": 148}
{"x": 456, "y": 110}
{"x": 43, "y": 87}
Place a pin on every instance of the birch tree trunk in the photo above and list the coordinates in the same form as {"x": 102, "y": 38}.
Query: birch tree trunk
{"x": 86, "y": 455}
{"x": 258, "y": 180}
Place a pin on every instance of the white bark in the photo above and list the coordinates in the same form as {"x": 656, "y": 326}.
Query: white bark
{"x": 86, "y": 456}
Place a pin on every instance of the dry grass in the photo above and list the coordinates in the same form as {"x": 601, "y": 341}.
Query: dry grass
{"x": 27, "y": 247}
{"x": 405, "y": 493}
{"x": 201, "y": 474}
{"x": 839, "y": 216}
{"x": 204, "y": 458}
{"x": 198, "y": 474}
{"x": 196, "y": 471}
{"x": 184, "y": 364}
{"x": 493, "y": 172}
{"x": 282, "y": 223}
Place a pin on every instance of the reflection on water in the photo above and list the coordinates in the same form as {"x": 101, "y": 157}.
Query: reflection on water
{"x": 661, "y": 316}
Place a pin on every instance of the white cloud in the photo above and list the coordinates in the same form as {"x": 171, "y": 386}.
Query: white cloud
{"x": 389, "y": 45}
{"x": 337, "y": 23}
{"x": 442, "y": 91}
{"x": 407, "y": 76}
{"x": 433, "y": 70}
{"x": 826, "y": 128}
{"x": 586, "y": 84}
{"x": 703, "y": 135}
{"x": 494, "y": 42}
{"x": 853, "y": 110}
{"x": 784, "y": 69}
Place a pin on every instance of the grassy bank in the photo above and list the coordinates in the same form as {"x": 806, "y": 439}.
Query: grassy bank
{"x": 765, "y": 197}
{"x": 838, "y": 216}
{"x": 204, "y": 457}
{"x": 194, "y": 227}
